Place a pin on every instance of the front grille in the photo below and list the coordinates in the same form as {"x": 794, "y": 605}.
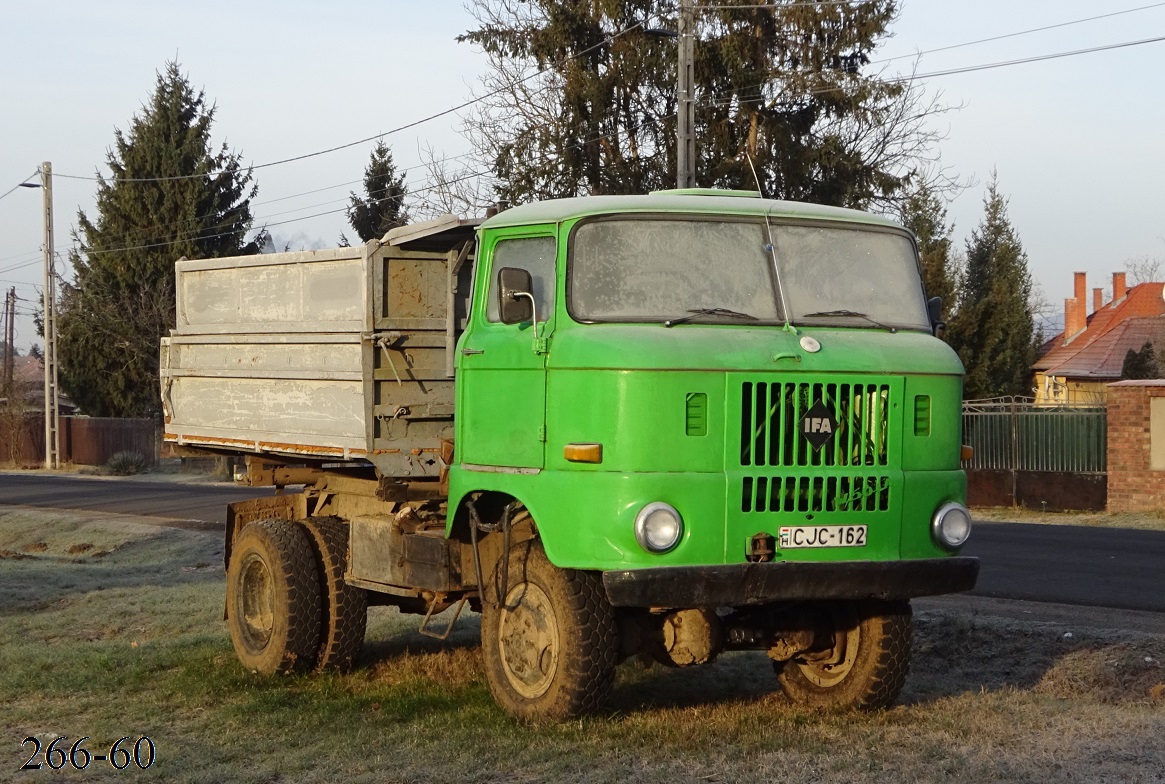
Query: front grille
{"x": 815, "y": 494}
{"x": 771, "y": 416}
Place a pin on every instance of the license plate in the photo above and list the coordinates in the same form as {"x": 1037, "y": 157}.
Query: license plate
{"x": 798, "y": 536}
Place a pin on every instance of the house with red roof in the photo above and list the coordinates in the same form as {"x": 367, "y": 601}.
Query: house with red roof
{"x": 1078, "y": 363}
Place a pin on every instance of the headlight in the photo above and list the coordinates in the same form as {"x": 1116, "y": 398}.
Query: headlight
{"x": 658, "y": 527}
{"x": 951, "y": 526}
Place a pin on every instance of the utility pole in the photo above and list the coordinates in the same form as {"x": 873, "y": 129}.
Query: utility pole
{"x": 685, "y": 104}
{"x": 9, "y": 372}
{"x": 52, "y": 418}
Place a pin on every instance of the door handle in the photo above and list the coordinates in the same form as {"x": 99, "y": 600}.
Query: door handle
{"x": 467, "y": 352}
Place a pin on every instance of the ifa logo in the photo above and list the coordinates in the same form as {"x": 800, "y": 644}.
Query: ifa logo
{"x": 818, "y": 425}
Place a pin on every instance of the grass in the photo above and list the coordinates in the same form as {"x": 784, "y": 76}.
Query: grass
{"x": 126, "y": 638}
{"x": 1145, "y": 521}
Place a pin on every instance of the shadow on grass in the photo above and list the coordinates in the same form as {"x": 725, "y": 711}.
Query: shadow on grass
{"x": 957, "y": 653}
{"x": 954, "y": 653}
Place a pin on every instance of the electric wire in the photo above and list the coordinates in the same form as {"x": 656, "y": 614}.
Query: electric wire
{"x": 445, "y": 112}
{"x": 609, "y": 39}
{"x": 947, "y": 72}
{"x": 1019, "y": 33}
{"x": 202, "y": 237}
{"x": 772, "y": 6}
{"x": 169, "y": 227}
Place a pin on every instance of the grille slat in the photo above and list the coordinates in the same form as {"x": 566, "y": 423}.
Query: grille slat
{"x": 771, "y": 418}
{"x": 846, "y": 469}
{"x": 815, "y": 494}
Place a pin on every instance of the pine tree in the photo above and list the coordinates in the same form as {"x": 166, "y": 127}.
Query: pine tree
{"x": 925, "y": 214}
{"x": 993, "y": 330}
{"x": 170, "y": 195}
{"x": 382, "y": 207}
{"x": 786, "y": 85}
{"x": 1140, "y": 364}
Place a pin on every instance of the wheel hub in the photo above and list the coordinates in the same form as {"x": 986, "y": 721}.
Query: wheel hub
{"x": 256, "y": 604}
{"x": 831, "y": 666}
{"x": 528, "y": 640}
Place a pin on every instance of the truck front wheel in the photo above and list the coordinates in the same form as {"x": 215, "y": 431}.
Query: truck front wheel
{"x": 273, "y": 598}
{"x": 859, "y": 660}
{"x": 550, "y": 643}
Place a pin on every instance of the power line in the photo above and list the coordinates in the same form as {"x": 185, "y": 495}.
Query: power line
{"x": 772, "y": 6}
{"x": 15, "y": 267}
{"x": 24, "y": 255}
{"x": 166, "y": 228}
{"x": 1021, "y": 32}
{"x": 948, "y": 72}
{"x": 1038, "y": 58}
{"x": 609, "y": 39}
{"x": 202, "y": 237}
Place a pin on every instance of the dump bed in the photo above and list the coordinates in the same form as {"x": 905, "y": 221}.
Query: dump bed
{"x": 334, "y": 355}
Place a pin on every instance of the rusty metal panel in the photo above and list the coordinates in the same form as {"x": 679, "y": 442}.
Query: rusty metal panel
{"x": 292, "y": 411}
{"x": 320, "y": 357}
{"x": 311, "y": 291}
{"x": 335, "y": 354}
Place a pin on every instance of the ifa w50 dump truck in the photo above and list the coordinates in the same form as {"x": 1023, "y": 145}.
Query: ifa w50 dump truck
{"x": 662, "y": 426}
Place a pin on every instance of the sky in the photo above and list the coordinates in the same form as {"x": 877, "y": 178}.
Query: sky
{"x": 1076, "y": 142}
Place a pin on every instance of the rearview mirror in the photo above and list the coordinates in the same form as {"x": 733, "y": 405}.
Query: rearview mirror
{"x": 515, "y": 292}
{"x": 934, "y": 309}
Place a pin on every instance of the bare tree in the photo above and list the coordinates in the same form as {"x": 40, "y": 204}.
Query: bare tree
{"x": 454, "y": 187}
{"x": 1143, "y": 269}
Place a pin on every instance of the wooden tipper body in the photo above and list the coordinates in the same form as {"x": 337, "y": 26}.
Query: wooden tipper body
{"x": 337, "y": 355}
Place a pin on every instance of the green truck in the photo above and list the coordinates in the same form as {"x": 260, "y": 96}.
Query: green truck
{"x": 662, "y": 426}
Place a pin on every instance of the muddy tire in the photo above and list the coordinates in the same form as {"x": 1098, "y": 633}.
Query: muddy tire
{"x": 867, "y": 664}
{"x": 344, "y": 608}
{"x": 273, "y": 598}
{"x": 551, "y": 648}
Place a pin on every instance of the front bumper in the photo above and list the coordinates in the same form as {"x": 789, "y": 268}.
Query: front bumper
{"x": 737, "y": 585}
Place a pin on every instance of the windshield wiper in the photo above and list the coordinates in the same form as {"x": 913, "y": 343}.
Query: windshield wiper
{"x": 695, "y": 314}
{"x": 853, "y": 313}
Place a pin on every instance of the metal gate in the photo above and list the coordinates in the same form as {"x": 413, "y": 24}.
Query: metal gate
{"x": 1014, "y": 434}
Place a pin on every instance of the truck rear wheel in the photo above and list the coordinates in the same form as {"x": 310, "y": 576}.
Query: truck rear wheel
{"x": 344, "y": 607}
{"x": 273, "y": 598}
{"x": 860, "y": 661}
{"x": 551, "y": 648}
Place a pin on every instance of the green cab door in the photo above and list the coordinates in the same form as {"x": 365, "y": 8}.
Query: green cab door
{"x": 501, "y": 368}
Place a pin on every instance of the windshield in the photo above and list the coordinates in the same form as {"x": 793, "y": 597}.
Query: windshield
{"x": 641, "y": 268}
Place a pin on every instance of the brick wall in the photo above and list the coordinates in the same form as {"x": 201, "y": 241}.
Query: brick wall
{"x": 1133, "y": 485}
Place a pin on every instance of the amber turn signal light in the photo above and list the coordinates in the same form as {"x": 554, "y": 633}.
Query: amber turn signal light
{"x": 968, "y": 452}
{"x": 583, "y": 453}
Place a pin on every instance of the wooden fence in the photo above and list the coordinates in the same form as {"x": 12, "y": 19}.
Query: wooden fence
{"x": 84, "y": 440}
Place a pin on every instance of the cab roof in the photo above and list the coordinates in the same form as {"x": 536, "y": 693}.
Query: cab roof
{"x": 703, "y": 202}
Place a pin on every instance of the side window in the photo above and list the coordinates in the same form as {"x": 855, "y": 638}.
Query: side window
{"x": 536, "y": 256}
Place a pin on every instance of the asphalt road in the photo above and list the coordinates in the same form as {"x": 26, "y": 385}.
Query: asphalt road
{"x": 1100, "y": 567}
{"x": 175, "y": 500}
